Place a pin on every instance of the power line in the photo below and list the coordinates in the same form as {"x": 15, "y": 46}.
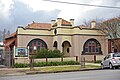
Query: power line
{"x": 83, "y": 4}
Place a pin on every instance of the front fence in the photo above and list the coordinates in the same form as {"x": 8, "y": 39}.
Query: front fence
{"x": 27, "y": 60}
{"x": 8, "y": 58}
{"x": 1, "y": 57}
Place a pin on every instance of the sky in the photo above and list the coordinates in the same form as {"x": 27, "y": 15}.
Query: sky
{"x": 14, "y": 13}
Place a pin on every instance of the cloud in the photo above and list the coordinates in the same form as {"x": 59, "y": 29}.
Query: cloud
{"x": 5, "y": 6}
{"x": 21, "y": 14}
{"x": 100, "y": 13}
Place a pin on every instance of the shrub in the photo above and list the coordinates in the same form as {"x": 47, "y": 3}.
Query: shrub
{"x": 45, "y": 53}
{"x": 98, "y": 61}
{"x": 42, "y": 64}
{"x": 20, "y": 65}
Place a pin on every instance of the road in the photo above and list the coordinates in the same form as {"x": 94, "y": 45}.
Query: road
{"x": 80, "y": 75}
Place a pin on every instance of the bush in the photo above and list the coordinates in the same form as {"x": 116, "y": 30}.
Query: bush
{"x": 45, "y": 53}
{"x": 98, "y": 61}
{"x": 20, "y": 65}
{"x": 42, "y": 64}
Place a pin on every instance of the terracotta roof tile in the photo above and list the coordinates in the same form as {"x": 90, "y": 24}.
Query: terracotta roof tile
{"x": 9, "y": 42}
{"x": 11, "y": 35}
{"x": 64, "y": 22}
{"x": 39, "y": 26}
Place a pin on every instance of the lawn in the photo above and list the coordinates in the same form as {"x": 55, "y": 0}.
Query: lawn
{"x": 64, "y": 68}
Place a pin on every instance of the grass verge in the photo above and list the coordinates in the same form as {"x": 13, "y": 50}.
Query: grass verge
{"x": 64, "y": 68}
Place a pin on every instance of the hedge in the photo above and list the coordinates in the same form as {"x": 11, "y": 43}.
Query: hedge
{"x": 42, "y": 64}
{"x": 20, "y": 65}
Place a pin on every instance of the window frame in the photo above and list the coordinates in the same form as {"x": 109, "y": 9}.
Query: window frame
{"x": 38, "y": 43}
{"x": 92, "y": 46}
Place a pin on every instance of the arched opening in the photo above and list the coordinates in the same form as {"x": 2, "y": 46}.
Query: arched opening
{"x": 92, "y": 47}
{"x": 36, "y": 44}
{"x": 55, "y": 44}
{"x": 66, "y": 48}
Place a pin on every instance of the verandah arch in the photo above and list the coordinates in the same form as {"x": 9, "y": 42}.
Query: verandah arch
{"x": 55, "y": 45}
{"x": 36, "y": 43}
{"x": 66, "y": 48}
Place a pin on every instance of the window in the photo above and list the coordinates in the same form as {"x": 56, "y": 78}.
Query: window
{"x": 92, "y": 46}
{"x": 68, "y": 50}
{"x": 40, "y": 44}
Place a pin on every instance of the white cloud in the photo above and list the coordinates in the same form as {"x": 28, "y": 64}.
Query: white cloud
{"x": 67, "y": 10}
{"x": 5, "y": 6}
{"x": 21, "y": 12}
{"x": 74, "y": 11}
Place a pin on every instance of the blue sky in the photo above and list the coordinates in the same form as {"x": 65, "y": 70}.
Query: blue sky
{"x": 14, "y": 13}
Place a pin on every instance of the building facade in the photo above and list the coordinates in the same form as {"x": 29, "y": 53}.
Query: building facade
{"x": 62, "y": 35}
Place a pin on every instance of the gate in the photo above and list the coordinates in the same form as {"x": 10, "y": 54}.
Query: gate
{"x": 9, "y": 58}
{"x": 1, "y": 57}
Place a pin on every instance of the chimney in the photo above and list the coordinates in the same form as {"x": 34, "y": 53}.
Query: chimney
{"x": 93, "y": 24}
{"x": 33, "y": 22}
{"x": 53, "y": 22}
{"x": 59, "y": 22}
{"x": 72, "y": 22}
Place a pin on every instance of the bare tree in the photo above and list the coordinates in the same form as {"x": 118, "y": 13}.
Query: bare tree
{"x": 3, "y": 34}
{"x": 88, "y": 22}
{"x": 111, "y": 28}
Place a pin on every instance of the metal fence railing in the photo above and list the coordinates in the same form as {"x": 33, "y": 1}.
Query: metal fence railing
{"x": 8, "y": 58}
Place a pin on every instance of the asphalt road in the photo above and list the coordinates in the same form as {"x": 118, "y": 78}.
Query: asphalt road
{"x": 80, "y": 75}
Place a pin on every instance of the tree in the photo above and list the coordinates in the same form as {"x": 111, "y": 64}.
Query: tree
{"x": 111, "y": 28}
{"x": 87, "y": 23}
{"x": 3, "y": 34}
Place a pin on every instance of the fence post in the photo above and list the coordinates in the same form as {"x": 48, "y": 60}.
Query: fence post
{"x": 76, "y": 58}
{"x": 31, "y": 62}
{"x": 94, "y": 58}
{"x": 82, "y": 62}
{"x": 62, "y": 59}
{"x": 46, "y": 59}
{"x": 9, "y": 59}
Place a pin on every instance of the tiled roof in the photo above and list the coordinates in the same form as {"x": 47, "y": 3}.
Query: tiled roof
{"x": 38, "y": 26}
{"x": 11, "y": 35}
{"x": 9, "y": 42}
{"x": 63, "y": 23}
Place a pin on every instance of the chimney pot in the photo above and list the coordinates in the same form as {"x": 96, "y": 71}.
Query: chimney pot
{"x": 59, "y": 22}
{"x": 93, "y": 24}
{"x": 72, "y": 22}
{"x": 53, "y": 22}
